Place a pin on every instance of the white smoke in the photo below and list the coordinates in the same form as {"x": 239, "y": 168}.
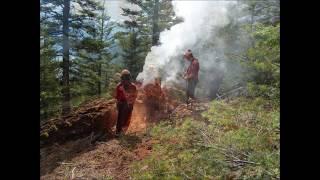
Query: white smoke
{"x": 201, "y": 19}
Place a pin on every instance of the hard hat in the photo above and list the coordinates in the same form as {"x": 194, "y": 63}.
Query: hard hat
{"x": 125, "y": 72}
{"x": 188, "y": 53}
{"x": 125, "y": 75}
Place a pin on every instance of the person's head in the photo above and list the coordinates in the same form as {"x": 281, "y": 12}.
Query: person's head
{"x": 125, "y": 76}
{"x": 188, "y": 55}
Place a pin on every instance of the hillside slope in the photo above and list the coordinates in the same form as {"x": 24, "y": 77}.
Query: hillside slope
{"x": 226, "y": 139}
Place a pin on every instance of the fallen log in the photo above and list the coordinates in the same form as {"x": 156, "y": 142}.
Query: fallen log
{"x": 230, "y": 92}
{"x": 94, "y": 117}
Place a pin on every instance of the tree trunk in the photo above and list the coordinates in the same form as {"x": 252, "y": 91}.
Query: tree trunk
{"x": 99, "y": 82}
{"x": 65, "y": 77}
{"x": 155, "y": 27}
{"x": 101, "y": 39}
{"x": 106, "y": 82}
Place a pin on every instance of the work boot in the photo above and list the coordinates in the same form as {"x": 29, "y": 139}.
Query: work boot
{"x": 191, "y": 102}
{"x": 188, "y": 101}
{"x": 117, "y": 134}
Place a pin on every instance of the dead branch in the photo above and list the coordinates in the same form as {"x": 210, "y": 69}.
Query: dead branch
{"x": 67, "y": 164}
{"x": 244, "y": 161}
{"x": 72, "y": 173}
{"x": 230, "y": 92}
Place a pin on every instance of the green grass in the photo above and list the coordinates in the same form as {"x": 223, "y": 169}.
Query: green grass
{"x": 241, "y": 130}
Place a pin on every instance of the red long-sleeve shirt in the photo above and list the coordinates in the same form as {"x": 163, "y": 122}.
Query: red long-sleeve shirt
{"x": 193, "y": 69}
{"x": 128, "y": 95}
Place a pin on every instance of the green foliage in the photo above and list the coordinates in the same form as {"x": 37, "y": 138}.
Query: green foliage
{"x": 90, "y": 58}
{"x": 144, "y": 18}
{"x": 133, "y": 55}
{"x": 50, "y": 91}
{"x": 242, "y": 129}
{"x": 92, "y": 39}
{"x": 252, "y": 49}
{"x": 141, "y": 27}
{"x": 263, "y": 63}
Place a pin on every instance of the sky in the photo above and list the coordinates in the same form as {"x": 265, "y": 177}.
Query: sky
{"x": 114, "y": 8}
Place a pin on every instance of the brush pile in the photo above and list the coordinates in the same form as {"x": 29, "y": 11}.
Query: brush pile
{"x": 99, "y": 116}
{"x": 93, "y": 117}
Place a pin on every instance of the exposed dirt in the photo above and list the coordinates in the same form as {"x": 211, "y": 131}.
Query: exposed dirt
{"x": 100, "y": 156}
{"x": 108, "y": 159}
{"x": 138, "y": 121}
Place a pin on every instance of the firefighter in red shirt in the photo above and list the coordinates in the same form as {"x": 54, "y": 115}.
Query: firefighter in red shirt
{"x": 126, "y": 94}
{"x": 191, "y": 75}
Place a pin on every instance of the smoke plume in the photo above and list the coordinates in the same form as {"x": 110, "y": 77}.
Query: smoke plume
{"x": 198, "y": 32}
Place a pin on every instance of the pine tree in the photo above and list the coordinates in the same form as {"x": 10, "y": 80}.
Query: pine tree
{"x": 154, "y": 16}
{"x": 66, "y": 48}
{"x": 143, "y": 28}
{"x": 133, "y": 57}
{"x": 252, "y": 48}
{"x": 50, "y": 96}
{"x": 94, "y": 56}
{"x": 105, "y": 28}
{"x": 67, "y": 23}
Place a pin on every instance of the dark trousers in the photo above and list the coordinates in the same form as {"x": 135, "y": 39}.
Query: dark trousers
{"x": 191, "y": 86}
{"x": 124, "y": 115}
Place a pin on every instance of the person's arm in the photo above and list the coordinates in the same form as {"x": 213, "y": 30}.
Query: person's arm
{"x": 191, "y": 73}
{"x": 197, "y": 67}
{"x": 133, "y": 93}
{"x": 184, "y": 75}
{"x": 117, "y": 94}
{"x": 190, "y": 76}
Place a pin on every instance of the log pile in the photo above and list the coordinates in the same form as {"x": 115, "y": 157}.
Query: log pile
{"x": 94, "y": 117}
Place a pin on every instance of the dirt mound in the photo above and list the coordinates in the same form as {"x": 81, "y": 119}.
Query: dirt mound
{"x": 96, "y": 116}
{"x": 99, "y": 116}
